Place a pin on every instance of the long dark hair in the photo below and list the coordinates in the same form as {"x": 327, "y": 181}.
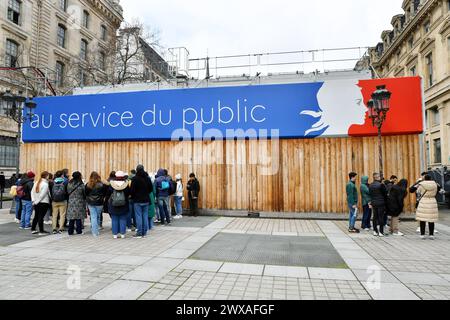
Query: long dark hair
{"x": 77, "y": 177}
{"x": 403, "y": 183}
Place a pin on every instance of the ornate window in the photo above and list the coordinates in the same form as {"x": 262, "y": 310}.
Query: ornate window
{"x": 14, "y": 11}
{"x": 12, "y": 53}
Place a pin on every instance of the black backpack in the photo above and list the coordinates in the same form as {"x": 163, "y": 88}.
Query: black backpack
{"x": 172, "y": 188}
{"x": 59, "y": 193}
{"x": 118, "y": 199}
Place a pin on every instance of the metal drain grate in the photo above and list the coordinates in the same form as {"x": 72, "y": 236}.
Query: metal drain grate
{"x": 271, "y": 250}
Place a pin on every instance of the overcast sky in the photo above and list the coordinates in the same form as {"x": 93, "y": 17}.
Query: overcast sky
{"x": 228, "y": 27}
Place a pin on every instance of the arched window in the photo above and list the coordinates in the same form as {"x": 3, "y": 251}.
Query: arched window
{"x": 61, "y": 40}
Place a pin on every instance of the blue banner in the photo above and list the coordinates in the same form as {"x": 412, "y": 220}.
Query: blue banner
{"x": 265, "y": 111}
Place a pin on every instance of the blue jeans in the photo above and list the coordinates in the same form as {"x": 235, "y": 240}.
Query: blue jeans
{"x": 119, "y": 224}
{"x": 163, "y": 205}
{"x": 96, "y": 212}
{"x": 178, "y": 207}
{"x": 352, "y": 219}
{"x": 27, "y": 211}
{"x": 131, "y": 218}
{"x": 18, "y": 207}
{"x": 141, "y": 213}
{"x": 157, "y": 215}
{"x": 367, "y": 216}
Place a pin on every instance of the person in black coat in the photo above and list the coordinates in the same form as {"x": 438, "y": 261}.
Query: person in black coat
{"x": 378, "y": 196}
{"x": 141, "y": 187}
{"x": 193, "y": 187}
{"x": 395, "y": 204}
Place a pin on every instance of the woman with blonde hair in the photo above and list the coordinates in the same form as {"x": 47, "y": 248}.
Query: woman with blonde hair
{"x": 95, "y": 192}
{"x": 40, "y": 197}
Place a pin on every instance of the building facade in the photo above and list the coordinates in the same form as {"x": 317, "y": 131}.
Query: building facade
{"x": 61, "y": 44}
{"x": 419, "y": 45}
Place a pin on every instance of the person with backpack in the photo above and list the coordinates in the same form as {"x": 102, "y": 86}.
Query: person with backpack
{"x": 118, "y": 204}
{"x": 59, "y": 203}
{"x": 40, "y": 196}
{"x": 378, "y": 196}
{"x": 24, "y": 192}
{"x": 95, "y": 197}
{"x": 162, "y": 195}
{"x": 16, "y": 199}
{"x": 76, "y": 207}
{"x": 193, "y": 187}
{"x": 395, "y": 204}
{"x": 178, "y": 197}
{"x": 141, "y": 187}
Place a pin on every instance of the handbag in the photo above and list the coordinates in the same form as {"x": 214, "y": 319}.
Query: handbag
{"x": 421, "y": 197}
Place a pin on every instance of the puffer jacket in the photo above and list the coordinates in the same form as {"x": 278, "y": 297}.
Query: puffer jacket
{"x": 160, "y": 177}
{"x": 378, "y": 194}
{"x": 427, "y": 210}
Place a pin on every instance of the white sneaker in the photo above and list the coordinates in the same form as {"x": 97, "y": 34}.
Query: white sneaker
{"x": 418, "y": 230}
{"x": 366, "y": 229}
{"x": 115, "y": 236}
{"x": 399, "y": 234}
{"x": 16, "y": 220}
{"x": 122, "y": 236}
{"x": 375, "y": 234}
{"x": 436, "y": 232}
{"x": 432, "y": 237}
{"x": 422, "y": 237}
{"x": 47, "y": 222}
{"x": 381, "y": 235}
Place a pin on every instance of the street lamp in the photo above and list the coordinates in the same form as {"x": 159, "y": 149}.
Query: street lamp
{"x": 15, "y": 111}
{"x": 379, "y": 106}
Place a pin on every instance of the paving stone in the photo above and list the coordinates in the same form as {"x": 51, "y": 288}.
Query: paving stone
{"x": 201, "y": 265}
{"x": 421, "y": 278}
{"x": 122, "y": 290}
{"x": 129, "y": 260}
{"x": 363, "y": 264}
{"x": 334, "y": 274}
{"x": 390, "y": 291}
{"x": 240, "y": 268}
{"x": 290, "y": 272}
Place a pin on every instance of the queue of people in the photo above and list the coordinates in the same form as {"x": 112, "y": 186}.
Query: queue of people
{"x": 135, "y": 202}
{"x": 384, "y": 199}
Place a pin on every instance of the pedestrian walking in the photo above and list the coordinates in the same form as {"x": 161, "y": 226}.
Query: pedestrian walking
{"x": 141, "y": 187}
{"x": 24, "y": 192}
{"x": 193, "y": 187}
{"x": 118, "y": 195}
{"x": 178, "y": 197}
{"x": 352, "y": 201}
{"x": 427, "y": 210}
{"x": 395, "y": 205}
{"x": 378, "y": 196}
{"x": 367, "y": 210}
{"x": 40, "y": 197}
{"x": 59, "y": 203}
{"x": 76, "y": 207}
{"x": 95, "y": 198}
{"x": 162, "y": 195}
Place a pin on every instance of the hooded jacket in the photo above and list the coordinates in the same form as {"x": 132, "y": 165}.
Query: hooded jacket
{"x": 160, "y": 177}
{"x": 141, "y": 187}
{"x": 365, "y": 194}
{"x": 118, "y": 185}
{"x": 27, "y": 184}
{"x": 427, "y": 210}
{"x": 396, "y": 200}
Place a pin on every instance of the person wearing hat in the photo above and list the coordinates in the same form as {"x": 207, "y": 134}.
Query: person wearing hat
{"x": 118, "y": 203}
{"x": 178, "y": 197}
{"x": 26, "y": 186}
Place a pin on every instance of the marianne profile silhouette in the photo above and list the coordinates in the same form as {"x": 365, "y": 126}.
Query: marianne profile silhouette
{"x": 341, "y": 106}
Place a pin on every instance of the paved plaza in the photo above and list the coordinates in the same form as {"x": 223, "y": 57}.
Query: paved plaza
{"x": 224, "y": 258}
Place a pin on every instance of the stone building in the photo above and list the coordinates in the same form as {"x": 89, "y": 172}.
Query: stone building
{"x": 419, "y": 45}
{"x": 61, "y": 44}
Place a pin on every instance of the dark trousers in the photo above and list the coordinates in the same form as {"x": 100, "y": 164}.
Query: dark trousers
{"x": 72, "y": 226}
{"x": 40, "y": 210}
{"x": 423, "y": 225}
{"x": 378, "y": 218}
{"x": 193, "y": 205}
{"x": 367, "y": 215}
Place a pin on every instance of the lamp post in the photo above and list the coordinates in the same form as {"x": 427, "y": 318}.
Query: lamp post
{"x": 379, "y": 106}
{"x": 15, "y": 111}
